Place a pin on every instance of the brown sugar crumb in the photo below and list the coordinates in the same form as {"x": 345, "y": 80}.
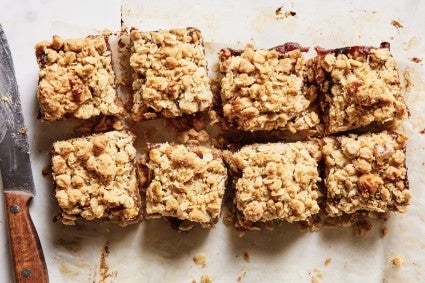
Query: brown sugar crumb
{"x": 366, "y": 172}
{"x": 246, "y": 257}
{"x": 327, "y": 261}
{"x": 267, "y": 89}
{"x": 397, "y": 261}
{"x": 200, "y": 259}
{"x": 187, "y": 182}
{"x": 276, "y": 181}
{"x": 46, "y": 170}
{"x": 95, "y": 177}
{"x": 422, "y": 132}
{"x": 317, "y": 276}
{"x": 396, "y": 24}
{"x": 76, "y": 79}
{"x": 205, "y": 278}
{"x": 384, "y": 231}
{"x": 24, "y": 130}
{"x": 280, "y": 13}
{"x": 170, "y": 73}
{"x": 359, "y": 86}
{"x": 416, "y": 59}
{"x": 240, "y": 277}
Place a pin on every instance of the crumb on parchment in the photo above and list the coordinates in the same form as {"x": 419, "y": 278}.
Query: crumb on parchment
{"x": 205, "y": 278}
{"x": 327, "y": 261}
{"x": 247, "y": 257}
{"x": 397, "y": 261}
{"x": 200, "y": 259}
{"x": 316, "y": 276}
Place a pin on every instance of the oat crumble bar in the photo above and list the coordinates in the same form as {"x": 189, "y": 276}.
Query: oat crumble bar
{"x": 170, "y": 73}
{"x": 76, "y": 79}
{"x": 187, "y": 182}
{"x": 276, "y": 181}
{"x": 359, "y": 86}
{"x": 366, "y": 173}
{"x": 267, "y": 89}
{"x": 95, "y": 177}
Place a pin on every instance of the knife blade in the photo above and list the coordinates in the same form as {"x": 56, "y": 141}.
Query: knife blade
{"x": 15, "y": 166}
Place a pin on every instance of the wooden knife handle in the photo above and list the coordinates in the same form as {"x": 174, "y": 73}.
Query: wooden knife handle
{"x": 27, "y": 255}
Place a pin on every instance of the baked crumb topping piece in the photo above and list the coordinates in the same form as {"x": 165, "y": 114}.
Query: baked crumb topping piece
{"x": 170, "y": 73}
{"x": 359, "y": 86}
{"x": 95, "y": 177}
{"x": 187, "y": 182}
{"x": 277, "y": 181}
{"x": 76, "y": 79}
{"x": 366, "y": 172}
{"x": 267, "y": 89}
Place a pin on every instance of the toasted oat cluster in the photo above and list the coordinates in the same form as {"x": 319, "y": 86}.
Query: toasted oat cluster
{"x": 170, "y": 73}
{"x": 76, "y": 79}
{"x": 187, "y": 182}
{"x": 366, "y": 172}
{"x": 95, "y": 177}
{"x": 360, "y": 86}
{"x": 267, "y": 89}
{"x": 277, "y": 181}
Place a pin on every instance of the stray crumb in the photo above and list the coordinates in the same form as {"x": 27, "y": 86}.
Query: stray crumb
{"x": 327, "y": 261}
{"x": 5, "y": 98}
{"x": 105, "y": 272}
{"x": 240, "y": 277}
{"x": 397, "y": 261}
{"x": 246, "y": 257}
{"x": 317, "y": 276}
{"x": 422, "y": 132}
{"x": 206, "y": 279}
{"x": 24, "y": 130}
{"x": 384, "y": 231}
{"x": 362, "y": 227}
{"x": 281, "y": 14}
{"x": 200, "y": 260}
{"x": 396, "y": 24}
{"x": 416, "y": 59}
{"x": 345, "y": 264}
{"x": 193, "y": 281}
{"x": 46, "y": 170}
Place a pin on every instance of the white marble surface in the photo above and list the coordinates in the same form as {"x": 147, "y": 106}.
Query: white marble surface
{"x": 152, "y": 252}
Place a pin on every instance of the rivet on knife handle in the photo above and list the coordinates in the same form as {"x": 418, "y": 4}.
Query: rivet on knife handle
{"x": 28, "y": 258}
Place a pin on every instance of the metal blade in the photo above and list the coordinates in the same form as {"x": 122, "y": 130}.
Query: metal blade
{"x": 15, "y": 163}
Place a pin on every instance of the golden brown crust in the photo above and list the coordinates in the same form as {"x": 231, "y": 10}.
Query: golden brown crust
{"x": 366, "y": 172}
{"x": 359, "y": 89}
{"x": 187, "y": 183}
{"x": 266, "y": 90}
{"x": 170, "y": 73}
{"x": 76, "y": 79}
{"x": 277, "y": 181}
{"x": 95, "y": 177}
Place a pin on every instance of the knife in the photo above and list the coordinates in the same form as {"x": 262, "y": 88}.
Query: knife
{"x": 18, "y": 185}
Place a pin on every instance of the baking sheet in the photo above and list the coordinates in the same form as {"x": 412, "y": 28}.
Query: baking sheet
{"x": 153, "y": 252}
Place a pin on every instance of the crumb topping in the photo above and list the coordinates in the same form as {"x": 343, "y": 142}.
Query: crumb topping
{"x": 277, "y": 181}
{"x": 366, "y": 172}
{"x": 264, "y": 89}
{"x": 359, "y": 89}
{"x": 188, "y": 182}
{"x": 170, "y": 73}
{"x": 76, "y": 79}
{"x": 95, "y": 177}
